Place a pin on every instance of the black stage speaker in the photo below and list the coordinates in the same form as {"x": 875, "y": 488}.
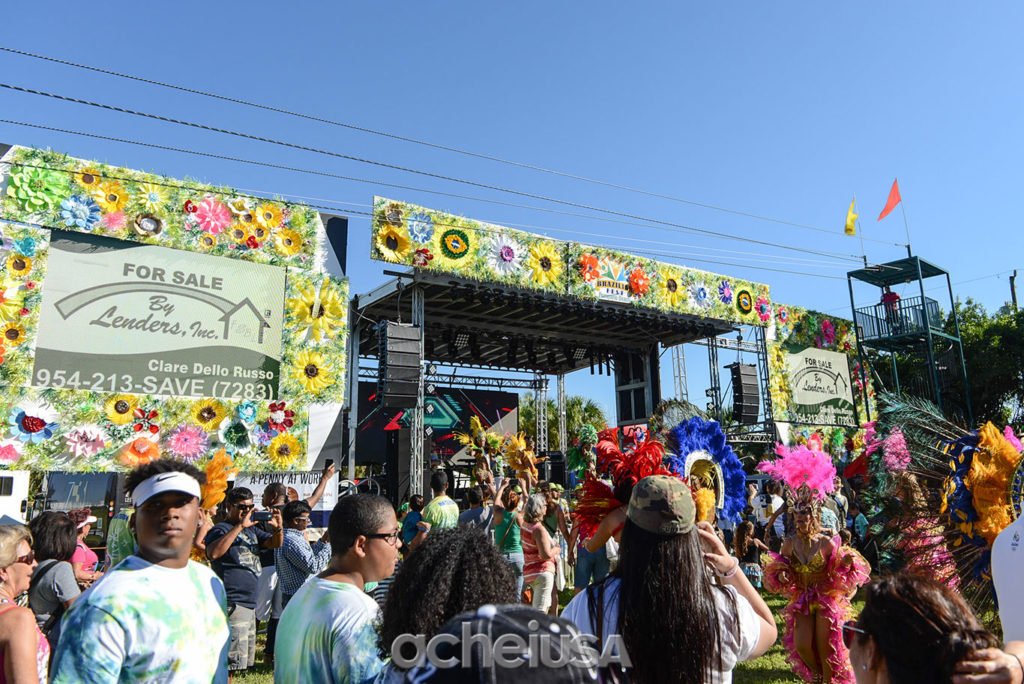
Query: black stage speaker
{"x": 746, "y": 395}
{"x": 400, "y": 353}
{"x": 552, "y": 468}
{"x": 397, "y": 465}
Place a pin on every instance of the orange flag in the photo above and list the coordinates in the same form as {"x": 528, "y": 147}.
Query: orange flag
{"x": 894, "y": 199}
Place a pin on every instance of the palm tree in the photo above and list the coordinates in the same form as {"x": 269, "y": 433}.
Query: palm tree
{"x": 579, "y": 411}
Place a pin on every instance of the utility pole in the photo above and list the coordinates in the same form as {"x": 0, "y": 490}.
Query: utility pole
{"x": 1013, "y": 289}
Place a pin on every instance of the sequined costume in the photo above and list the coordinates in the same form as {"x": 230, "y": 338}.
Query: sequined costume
{"x": 823, "y": 585}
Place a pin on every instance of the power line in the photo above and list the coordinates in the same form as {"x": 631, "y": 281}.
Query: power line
{"x": 662, "y": 225}
{"x": 425, "y": 143}
{"x": 795, "y": 260}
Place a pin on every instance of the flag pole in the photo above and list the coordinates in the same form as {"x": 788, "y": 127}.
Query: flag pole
{"x": 860, "y": 232}
{"x": 903, "y": 208}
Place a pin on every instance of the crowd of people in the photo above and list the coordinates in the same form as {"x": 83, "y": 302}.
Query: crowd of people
{"x": 392, "y": 595}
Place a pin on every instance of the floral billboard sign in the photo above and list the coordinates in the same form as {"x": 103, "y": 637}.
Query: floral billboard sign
{"x": 423, "y": 238}
{"x": 120, "y": 345}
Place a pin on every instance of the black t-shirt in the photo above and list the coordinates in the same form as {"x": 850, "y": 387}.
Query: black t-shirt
{"x": 266, "y": 555}
{"x": 239, "y": 568}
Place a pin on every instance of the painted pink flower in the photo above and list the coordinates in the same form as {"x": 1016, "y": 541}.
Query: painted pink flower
{"x": 187, "y": 442}
{"x": 9, "y": 451}
{"x": 114, "y": 221}
{"x": 829, "y": 332}
{"x": 212, "y": 216}
{"x": 764, "y": 309}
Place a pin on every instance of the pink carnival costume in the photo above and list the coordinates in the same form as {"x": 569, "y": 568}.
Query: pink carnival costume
{"x": 824, "y": 585}
{"x": 821, "y": 586}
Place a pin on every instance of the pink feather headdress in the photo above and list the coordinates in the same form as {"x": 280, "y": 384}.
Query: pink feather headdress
{"x": 799, "y": 466}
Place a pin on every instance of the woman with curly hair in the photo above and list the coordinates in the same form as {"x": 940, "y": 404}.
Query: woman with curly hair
{"x": 452, "y": 572}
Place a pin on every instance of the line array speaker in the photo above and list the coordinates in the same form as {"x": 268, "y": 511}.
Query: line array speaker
{"x": 746, "y": 395}
{"x": 400, "y": 355}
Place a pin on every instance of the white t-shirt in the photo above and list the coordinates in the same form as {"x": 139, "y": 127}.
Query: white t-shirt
{"x": 146, "y": 623}
{"x": 327, "y": 633}
{"x": 780, "y": 523}
{"x": 739, "y": 630}
{"x": 1008, "y": 577}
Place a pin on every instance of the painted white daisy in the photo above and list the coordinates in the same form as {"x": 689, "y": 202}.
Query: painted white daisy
{"x": 504, "y": 255}
{"x": 700, "y": 296}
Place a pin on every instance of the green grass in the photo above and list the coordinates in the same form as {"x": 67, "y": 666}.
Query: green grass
{"x": 771, "y": 668}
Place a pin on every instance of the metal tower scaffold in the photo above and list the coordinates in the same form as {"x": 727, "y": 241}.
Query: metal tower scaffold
{"x": 679, "y": 372}
{"x": 540, "y": 410}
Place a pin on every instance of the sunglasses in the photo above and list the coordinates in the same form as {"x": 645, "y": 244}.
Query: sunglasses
{"x": 28, "y": 559}
{"x": 849, "y": 629}
{"x": 389, "y": 537}
{"x": 304, "y": 521}
{"x": 245, "y": 507}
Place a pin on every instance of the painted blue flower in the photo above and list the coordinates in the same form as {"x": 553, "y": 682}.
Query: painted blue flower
{"x": 421, "y": 227}
{"x": 32, "y": 428}
{"x": 264, "y": 434}
{"x": 247, "y": 411}
{"x": 79, "y": 211}
{"x": 25, "y": 246}
{"x": 725, "y": 292}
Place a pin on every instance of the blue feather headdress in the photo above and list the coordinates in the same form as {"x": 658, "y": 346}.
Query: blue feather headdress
{"x": 698, "y": 447}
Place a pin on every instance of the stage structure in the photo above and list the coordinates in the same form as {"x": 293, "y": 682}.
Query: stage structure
{"x": 913, "y": 332}
{"x": 485, "y": 296}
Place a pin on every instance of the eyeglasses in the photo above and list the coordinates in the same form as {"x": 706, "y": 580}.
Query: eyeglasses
{"x": 849, "y": 629}
{"x": 304, "y": 521}
{"x": 28, "y": 559}
{"x": 389, "y": 537}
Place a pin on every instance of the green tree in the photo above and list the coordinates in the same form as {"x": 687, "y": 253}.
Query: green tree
{"x": 579, "y": 411}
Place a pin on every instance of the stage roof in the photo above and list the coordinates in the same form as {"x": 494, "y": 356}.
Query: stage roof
{"x": 476, "y": 324}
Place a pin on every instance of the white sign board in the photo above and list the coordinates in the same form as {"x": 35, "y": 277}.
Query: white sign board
{"x": 303, "y": 483}
{"x": 121, "y": 317}
{"x": 821, "y": 389}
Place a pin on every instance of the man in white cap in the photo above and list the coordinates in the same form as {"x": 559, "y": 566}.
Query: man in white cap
{"x": 157, "y": 616}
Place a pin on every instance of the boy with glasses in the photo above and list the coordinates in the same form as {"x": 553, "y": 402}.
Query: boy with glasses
{"x": 233, "y": 548}
{"x": 296, "y": 560}
{"x": 327, "y": 632}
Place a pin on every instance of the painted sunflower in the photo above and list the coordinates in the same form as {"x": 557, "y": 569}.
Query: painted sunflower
{"x": 670, "y": 289}
{"x": 323, "y": 317}
{"x": 120, "y": 408}
{"x": 10, "y": 304}
{"x": 269, "y": 215}
{"x": 311, "y": 371}
{"x": 545, "y": 264}
{"x": 88, "y": 178}
{"x": 208, "y": 413}
{"x": 207, "y": 240}
{"x": 19, "y": 266}
{"x": 240, "y": 234}
{"x": 288, "y": 242}
{"x": 392, "y": 243}
{"x": 111, "y": 196}
{"x": 283, "y": 450}
{"x": 12, "y": 334}
{"x": 151, "y": 196}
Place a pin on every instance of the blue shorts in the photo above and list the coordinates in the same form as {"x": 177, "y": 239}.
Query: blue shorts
{"x": 590, "y": 567}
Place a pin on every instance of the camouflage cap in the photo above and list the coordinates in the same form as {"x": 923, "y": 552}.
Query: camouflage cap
{"x": 663, "y": 505}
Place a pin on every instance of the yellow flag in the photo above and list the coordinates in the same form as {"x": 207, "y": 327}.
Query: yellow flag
{"x": 851, "y": 220}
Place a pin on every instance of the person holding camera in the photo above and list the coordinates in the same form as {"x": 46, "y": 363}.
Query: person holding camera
{"x": 233, "y": 547}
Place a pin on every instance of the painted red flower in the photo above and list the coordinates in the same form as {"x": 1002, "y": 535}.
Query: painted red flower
{"x": 639, "y": 283}
{"x": 588, "y": 268}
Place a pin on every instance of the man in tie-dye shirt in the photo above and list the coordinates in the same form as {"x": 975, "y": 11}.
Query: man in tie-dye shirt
{"x": 328, "y": 629}
{"x": 157, "y": 616}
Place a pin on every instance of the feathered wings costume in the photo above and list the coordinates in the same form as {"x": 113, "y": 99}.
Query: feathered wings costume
{"x": 626, "y": 469}
{"x": 809, "y": 475}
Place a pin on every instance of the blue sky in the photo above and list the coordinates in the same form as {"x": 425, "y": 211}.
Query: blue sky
{"x": 783, "y": 110}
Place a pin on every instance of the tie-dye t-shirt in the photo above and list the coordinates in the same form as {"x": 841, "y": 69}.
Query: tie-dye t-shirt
{"x": 327, "y": 633}
{"x": 146, "y": 623}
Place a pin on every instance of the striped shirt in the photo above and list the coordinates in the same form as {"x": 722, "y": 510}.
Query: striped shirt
{"x": 534, "y": 565}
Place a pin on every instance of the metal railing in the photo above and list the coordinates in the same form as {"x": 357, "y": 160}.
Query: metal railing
{"x": 902, "y": 317}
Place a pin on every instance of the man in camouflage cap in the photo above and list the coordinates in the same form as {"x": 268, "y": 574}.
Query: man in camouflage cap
{"x": 662, "y": 504}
